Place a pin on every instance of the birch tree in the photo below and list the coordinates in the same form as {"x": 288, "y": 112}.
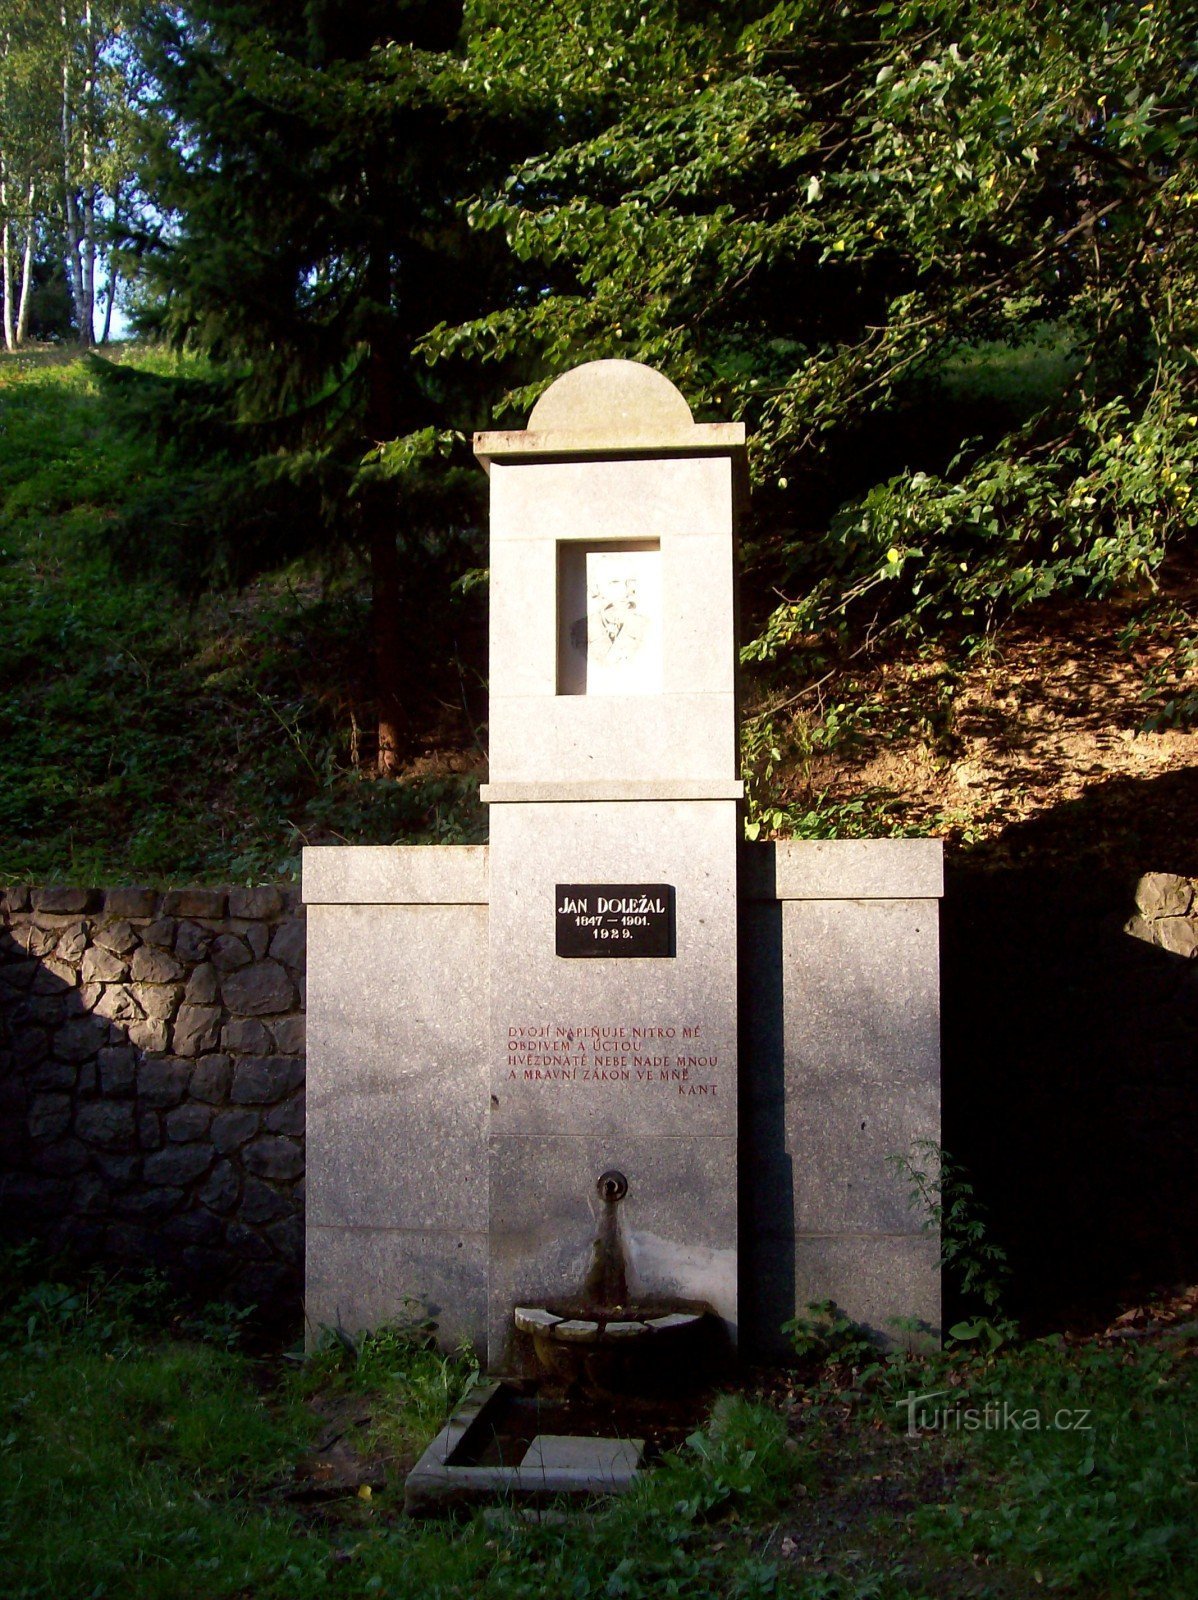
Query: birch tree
{"x": 64, "y": 148}
{"x": 27, "y": 150}
{"x": 92, "y": 104}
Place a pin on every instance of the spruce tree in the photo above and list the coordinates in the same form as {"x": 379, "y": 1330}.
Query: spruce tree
{"x": 307, "y": 163}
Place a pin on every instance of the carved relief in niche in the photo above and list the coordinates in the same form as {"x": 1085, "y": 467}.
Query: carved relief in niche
{"x": 610, "y": 619}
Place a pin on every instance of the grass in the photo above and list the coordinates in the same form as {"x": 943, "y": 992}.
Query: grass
{"x": 141, "y": 1461}
{"x": 1112, "y": 1503}
{"x": 149, "y": 740}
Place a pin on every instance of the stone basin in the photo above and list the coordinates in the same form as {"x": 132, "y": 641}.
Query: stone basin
{"x": 629, "y": 1349}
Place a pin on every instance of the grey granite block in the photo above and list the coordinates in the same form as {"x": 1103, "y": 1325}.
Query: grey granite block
{"x": 364, "y": 1277}
{"x": 843, "y": 869}
{"x": 593, "y": 1045}
{"x": 395, "y": 875}
{"x": 396, "y": 1084}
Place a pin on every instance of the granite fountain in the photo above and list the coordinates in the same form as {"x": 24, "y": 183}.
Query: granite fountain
{"x": 533, "y": 1065}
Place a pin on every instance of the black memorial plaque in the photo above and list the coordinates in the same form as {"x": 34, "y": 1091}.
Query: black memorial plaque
{"x": 615, "y": 919}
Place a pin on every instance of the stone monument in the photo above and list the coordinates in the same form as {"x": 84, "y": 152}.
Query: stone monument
{"x": 496, "y": 1032}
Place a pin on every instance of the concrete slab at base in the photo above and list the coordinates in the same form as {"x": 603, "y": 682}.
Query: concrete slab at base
{"x": 613, "y": 1460}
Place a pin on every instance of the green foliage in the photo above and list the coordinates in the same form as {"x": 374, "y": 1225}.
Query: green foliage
{"x": 152, "y": 1466}
{"x": 150, "y": 741}
{"x": 126, "y": 1472}
{"x": 655, "y": 1540}
{"x": 740, "y": 1459}
{"x": 777, "y": 762}
{"x": 827, "y": 1335}
{"x": 942, "y": 265}
{"x": 1110, "y": 1504}
{"x": 65, "y": 158}
{"x": 113, "y": 1312}
{"x": 219, "y": 1324}
{"x": 164, "y": 1467}
{"x": 51, "y": 1312}
{"x": 415, "y": 1386}
{"x": 1172, "y": 686}
{"x": 977, "y": 1266}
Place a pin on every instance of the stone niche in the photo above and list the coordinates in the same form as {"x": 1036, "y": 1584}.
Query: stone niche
{"x": 749, "y": 1034}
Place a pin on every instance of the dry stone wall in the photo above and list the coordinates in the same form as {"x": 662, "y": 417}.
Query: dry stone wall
{"x": 152, "y": 1081}
{"x": 1167, "y": 913}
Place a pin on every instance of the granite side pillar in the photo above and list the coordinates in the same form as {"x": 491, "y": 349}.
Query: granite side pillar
{"x": 397, "y": 1093}
{"x": 839, "y": 964}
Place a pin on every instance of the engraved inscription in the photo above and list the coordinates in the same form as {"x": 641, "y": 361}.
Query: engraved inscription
{"x": 666, "y": 1058}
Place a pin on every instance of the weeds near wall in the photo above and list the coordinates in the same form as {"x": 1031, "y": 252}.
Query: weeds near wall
{"x": 827, "y": 1336}
{"x": 940, "y": 1190}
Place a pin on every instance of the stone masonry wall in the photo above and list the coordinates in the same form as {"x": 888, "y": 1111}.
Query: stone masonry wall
{"x": 152, "y": 1082}
{"x": 1166, "y": 913}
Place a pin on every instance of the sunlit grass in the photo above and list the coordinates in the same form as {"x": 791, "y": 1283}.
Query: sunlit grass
{"x": 148, "y": 739}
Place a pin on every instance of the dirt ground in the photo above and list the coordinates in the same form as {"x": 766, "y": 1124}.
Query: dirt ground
{"x": 1056, "y": 708}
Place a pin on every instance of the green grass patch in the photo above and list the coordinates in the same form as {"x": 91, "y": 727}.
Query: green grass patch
{"x": 136, "y": 1461}
{"x": 1018, "y": 377}
{"x": 151, "y": 740}
{"x": 1087, "y": 1477}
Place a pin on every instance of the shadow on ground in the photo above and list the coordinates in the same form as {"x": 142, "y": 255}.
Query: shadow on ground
{"x": 1071, "y": 1049}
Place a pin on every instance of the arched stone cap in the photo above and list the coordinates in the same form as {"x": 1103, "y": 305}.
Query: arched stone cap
{"x": 612, "y": 399}
{"x": 611, "y": 408}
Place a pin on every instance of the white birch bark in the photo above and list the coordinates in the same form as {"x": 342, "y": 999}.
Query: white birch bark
{"x": 10, "y": 336}
{"x": 106, "y": 331}
{"x": 70, "y": 207}
{"x": 10, "y": 332}
{"x": 87, "y": 264}
{"x": 26, "y": 268}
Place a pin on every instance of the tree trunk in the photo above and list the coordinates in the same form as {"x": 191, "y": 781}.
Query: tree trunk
{"x": 26, "y": 270}
{"x": 10, "y": 332}
{"x": 384, "y": 606}
{"x": 106, "y": 332}
{"x": 111, "y": 300}
{"x": 70, "y": 198}
{"x": 384, "y": 566}
{"x": 10, "y": 335}
{"x": 87, "y": 265}
{"x": 74, "y": 263}
{"x": 87, "y": 270}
